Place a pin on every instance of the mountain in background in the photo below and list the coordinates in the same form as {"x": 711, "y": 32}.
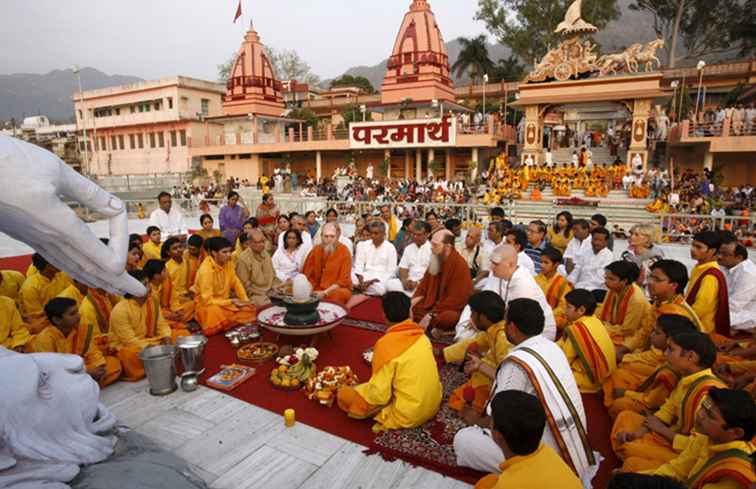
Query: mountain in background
{"x": 26, "y": 94}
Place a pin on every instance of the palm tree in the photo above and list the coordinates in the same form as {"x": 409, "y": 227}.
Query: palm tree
{"x": 473, "y": 58}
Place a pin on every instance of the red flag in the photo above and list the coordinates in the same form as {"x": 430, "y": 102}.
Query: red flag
{"x": 238, "y": 12}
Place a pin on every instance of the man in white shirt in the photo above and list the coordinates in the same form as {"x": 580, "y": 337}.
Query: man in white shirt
{"x": 474, "y": 254}
{"x": 741, "y": 285}
{"x": 579, "y": 244}
{"x": 519, "y": 239}
{"x": 537, "y": 366}
{"x": 589, "y": 270}
{"x": 298, "y": 224}
{"x": 169, "y": 219}
{"x": 374, "y": 262}
{"x": 497, "y": 230}
{"x": 510, "y": 281}
{"x": 414, "y": 262}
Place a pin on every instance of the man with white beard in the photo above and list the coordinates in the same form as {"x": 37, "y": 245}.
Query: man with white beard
{"x": 510, "y": 281}
{"x": 374, "y": 262}
{"x": 414, "y": 262}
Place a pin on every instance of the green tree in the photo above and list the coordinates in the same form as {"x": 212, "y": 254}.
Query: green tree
{"x": 705, "y": 27}
{"x": 306, "y": 115}
{"x": 508, "y": 69}
{"x": 527, "y": 26}
{"x": 354, "y": 81}
{"x": 352, "y": 113}
{"x": 473, "y": 58}
{"x": 224, "y": 69}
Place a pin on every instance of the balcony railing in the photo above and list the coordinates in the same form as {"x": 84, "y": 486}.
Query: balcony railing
{"x": 690, "y": 129}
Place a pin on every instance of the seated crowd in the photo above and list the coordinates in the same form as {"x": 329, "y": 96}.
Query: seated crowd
{"x": 535, "y": 316}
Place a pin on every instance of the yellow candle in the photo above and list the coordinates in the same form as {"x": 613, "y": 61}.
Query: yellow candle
{"x": 289, "y": 418}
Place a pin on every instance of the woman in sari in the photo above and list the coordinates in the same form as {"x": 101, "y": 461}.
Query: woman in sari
{"x": 560, "y": 234}
{"x": 232, "y": 217}
{"x": 207, "y": 231}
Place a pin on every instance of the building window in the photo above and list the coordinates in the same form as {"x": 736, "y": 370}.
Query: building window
{"x": 133, "y": 109}
{"x": 161, "y": 139}
{"x": 140, "y": 140}
{"x": 152, "y": 140}
{"x": 121, "y": 146}
{"x": 205, "y": 106}
{"x": 170, "y": 102}
{"x": 182, "y": 137}
{"x": 132, "y": 141}
{"x": 173, "y": 139}
{"x": 113, "y": 145}
{"x": 157, "y": 105}
{"x": 118, "y": 111}
{"x": 81, "y": 116}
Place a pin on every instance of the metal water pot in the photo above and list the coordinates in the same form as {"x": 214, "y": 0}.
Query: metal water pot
{"x": 160, "y": 366}
{"x": 191, "y": 350}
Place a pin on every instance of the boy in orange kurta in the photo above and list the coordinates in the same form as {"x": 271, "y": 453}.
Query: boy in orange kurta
{"x": 555, "y": 287}
{"x": 328, "y": 267}
{"x": 443, "y": 292}
{"x": 68, "y": 334}
{"x": 216, "y": 310}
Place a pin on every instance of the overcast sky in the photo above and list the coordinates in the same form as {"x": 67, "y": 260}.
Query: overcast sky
{"x": 155, "y": 38}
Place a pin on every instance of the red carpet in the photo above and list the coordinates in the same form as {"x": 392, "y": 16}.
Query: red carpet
{"x": 370, "y": 310}
{"x": 18, "y": 263}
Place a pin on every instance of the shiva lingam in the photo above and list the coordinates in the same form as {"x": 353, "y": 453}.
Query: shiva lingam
{"x": 302, "y": 305}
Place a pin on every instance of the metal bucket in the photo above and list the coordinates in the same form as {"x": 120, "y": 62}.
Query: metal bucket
{"x": 191, "y": 350}
{"x": 160, "y": 366}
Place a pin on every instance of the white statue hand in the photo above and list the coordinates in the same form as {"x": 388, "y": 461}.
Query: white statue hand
{"x": 31, "y": 210}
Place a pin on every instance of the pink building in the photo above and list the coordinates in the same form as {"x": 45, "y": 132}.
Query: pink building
{"x": 144, "y": 128}
{"x": 415, "y": 123}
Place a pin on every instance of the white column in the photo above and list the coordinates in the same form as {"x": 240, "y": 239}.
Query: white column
{"x": 418, "y": 165}
{"x": 475, "y": 157}
{"x": 431, "y": 157}
{"x": 448, "y": 165}
{"x": 407, "y": 164}
{"x": 708, "y": 161}
{"x": 318, "y": 165}
{"x": 387, "y": 155}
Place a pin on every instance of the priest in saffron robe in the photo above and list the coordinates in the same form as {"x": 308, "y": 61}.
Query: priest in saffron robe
{"x": 35, "y": 292}
{"x": 216, "y": 309}
{"x": 444, "y": 290}
{"x": 10, "y": 284}
{"x": 68, "y": 334}
{"x": 328, "y": 267}
{"x": 553, "y": 284}
{"x": 586, "y": 343}
{"x": 136, "y": 323}
{"x": 404, "y": 390}
{"x": 719, "y": 454}
{"x": 14, "y": 334}
{"x": 707, "y": 289}
{"x": 625, "y": 312}
{"x": 646, "y": 442}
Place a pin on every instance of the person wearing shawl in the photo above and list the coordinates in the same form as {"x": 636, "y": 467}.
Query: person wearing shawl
{"x": 625, "y": 310}
{"x": 404, "y": 390}
{"x": 254, "y": 268}
{"x": 328, "y": 266}
{"x": 586, "y": 343}
{"x": 707, "y": 289}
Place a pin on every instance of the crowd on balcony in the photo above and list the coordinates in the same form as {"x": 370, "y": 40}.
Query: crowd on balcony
{"x": 710, "y": 122}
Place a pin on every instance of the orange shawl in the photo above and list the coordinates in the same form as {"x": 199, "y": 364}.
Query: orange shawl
{"x": 397, "y": 340}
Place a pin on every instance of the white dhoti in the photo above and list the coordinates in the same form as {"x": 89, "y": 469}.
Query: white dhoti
{"x": 378, "y": 288}
{"x": 476, "y": 449}
{"x": 395, "y": 285}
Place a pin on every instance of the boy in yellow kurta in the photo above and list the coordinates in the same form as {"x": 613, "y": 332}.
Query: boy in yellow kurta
{"x": 718, "y": 455}
{"x": 707, "y": 288}
{"x": 151, "y": 248}
{"x": 136, "y": 323}
{"x": 404, "y": 390}
{"x": 161, "y": 288}
{"x": 181, "y": 300}
{"x": 487, "y": 315}
{"x": 36, "y": 292}
{"x": 628, "y": 389}
{"x": 625, "y": 312}
{"x": 647, "y": 442}
{"x": 553, "y": 284}
{"x": 519, "y": 421}
{"x": 10, "y": 284}
{"x": 586, "y": 343}
{"x": 67, "y": 334}
{"x": 215, "y": 309}
{"x": 14, "y": 334}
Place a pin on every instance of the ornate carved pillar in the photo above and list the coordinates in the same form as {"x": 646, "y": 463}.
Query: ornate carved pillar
{"x": 533, "y": 134}
{"x": 639, "y": 136}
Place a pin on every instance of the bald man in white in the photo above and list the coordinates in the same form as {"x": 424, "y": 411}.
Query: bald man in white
{"x": 510, "y": 281}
